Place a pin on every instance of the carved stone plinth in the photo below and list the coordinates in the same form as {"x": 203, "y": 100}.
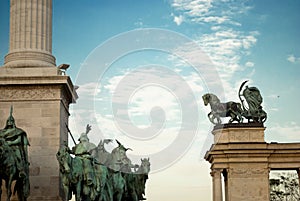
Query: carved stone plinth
{"x": 252, "y": 132}
{"x": 245, "y": 159}
{"x": 41, "y": 108}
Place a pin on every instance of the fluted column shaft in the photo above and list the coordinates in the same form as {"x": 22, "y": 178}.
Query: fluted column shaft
{"x": 298, "y": 171}
{"x": 217, "y": 184}
{"x": 30, "y": 34}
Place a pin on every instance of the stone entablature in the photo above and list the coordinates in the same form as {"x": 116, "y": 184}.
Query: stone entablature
{"x": 245, "y": 159}
{"x": 37, "y": 88}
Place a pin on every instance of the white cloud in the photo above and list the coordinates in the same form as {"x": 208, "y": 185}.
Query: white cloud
{"x": 211, "y": 11}
{"x": 224, "y": 43}
{"x": 249, "y": 64}
{"x": 142, "y": 93}
{"x": 273, "y": 109}
{"x": 178, "y": 19}
{"x": 215, "y": 28}
{"x": 293, "y": 59}
{"x": 113, "y": 83}
{"x": 225, "y": 48}
{"x": 284, "y": 132}
{"x": 212, "y": 19}
{"x": 78, "y": 120}
{"x": 148, "y": 97}
{"x": 89, "y": 89}
{"x": 192, "y": 7}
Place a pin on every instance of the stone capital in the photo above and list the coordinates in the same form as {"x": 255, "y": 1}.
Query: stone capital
{"x": 216, "y": 172}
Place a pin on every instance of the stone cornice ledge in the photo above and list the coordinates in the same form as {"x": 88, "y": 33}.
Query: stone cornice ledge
{"x": 41, "y": 80}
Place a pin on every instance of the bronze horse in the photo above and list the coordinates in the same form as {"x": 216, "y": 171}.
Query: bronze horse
{"x": 135, "y": 182}
{"x": 229, "y": 109}
{"x": 142, "y": 176}
{"x": 72, "y": 174}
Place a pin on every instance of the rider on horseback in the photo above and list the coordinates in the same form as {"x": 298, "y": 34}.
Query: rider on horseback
{"x": 17, "y": 141}
{"x": 82, "y": 150}
{"x": 16, "y": 138}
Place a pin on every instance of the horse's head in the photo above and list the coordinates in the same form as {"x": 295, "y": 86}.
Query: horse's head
{"x": 145, "y": 166}
{"x": 210, "y": 99}
{"x": 119, "y": 152}
{"x": 206, "y": 99}
{"x": 100, "y": 146}
{"x": 63, "y": 159}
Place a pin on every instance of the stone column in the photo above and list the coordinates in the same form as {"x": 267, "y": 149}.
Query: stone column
{"x": 225, "y": 175}
{"x": 217, "y": 184}
{"x": 30, "y": 43}
{"x": 298, "y": 171}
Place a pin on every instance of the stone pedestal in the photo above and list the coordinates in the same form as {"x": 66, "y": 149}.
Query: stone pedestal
{"x": 245, "y": 159}
{"x": 41, "y": 108}
{"x": 252, "y": 132}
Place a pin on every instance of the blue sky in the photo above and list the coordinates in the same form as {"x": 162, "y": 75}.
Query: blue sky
{"x": 162, "y": 56}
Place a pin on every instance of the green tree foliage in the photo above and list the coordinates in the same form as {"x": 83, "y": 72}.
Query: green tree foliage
{"x": 284, "y": 186}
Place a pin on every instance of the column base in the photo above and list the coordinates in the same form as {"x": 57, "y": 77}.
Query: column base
{"x": 29, "y": 58}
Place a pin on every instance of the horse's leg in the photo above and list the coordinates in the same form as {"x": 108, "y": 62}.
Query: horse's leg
{"x": 232, "y": 116}
{"x": 19, "y": 189}
{"x": 109, "y": 189}
{"x": 120, "y": 188}
{"x": 211, "y": 117}
{"x": 66, "y": 188}
{"x": 78, "y": 191}
{"x": 66, "y": 191}
{"x": 218, "y": 119}
{"x": 8, "y": 187}
{"x": 240, "y": 118}
{"x": 119, "y": 195}
{"x": 0, "y": 187}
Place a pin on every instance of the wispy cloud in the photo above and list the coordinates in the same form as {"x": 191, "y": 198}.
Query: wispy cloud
{"x": 285, "y": 132}
{"x": 226, "y": 48}
{"x": 212, "y": 11}
{"x": 89, "y": 90}
{"x": 178, "y": 19}
{"x": 194, "y": 8}
{"x": 223, "y": 42}
{"x": 249, "y": 64}
{"x": 293, "y": 59}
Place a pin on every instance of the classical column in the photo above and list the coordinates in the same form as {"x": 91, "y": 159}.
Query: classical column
{"x": 30, "y": 43}
{"x": 298, "y": 171}
{"x": 217, "y": 184}
{"x": 225, "y": 175}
